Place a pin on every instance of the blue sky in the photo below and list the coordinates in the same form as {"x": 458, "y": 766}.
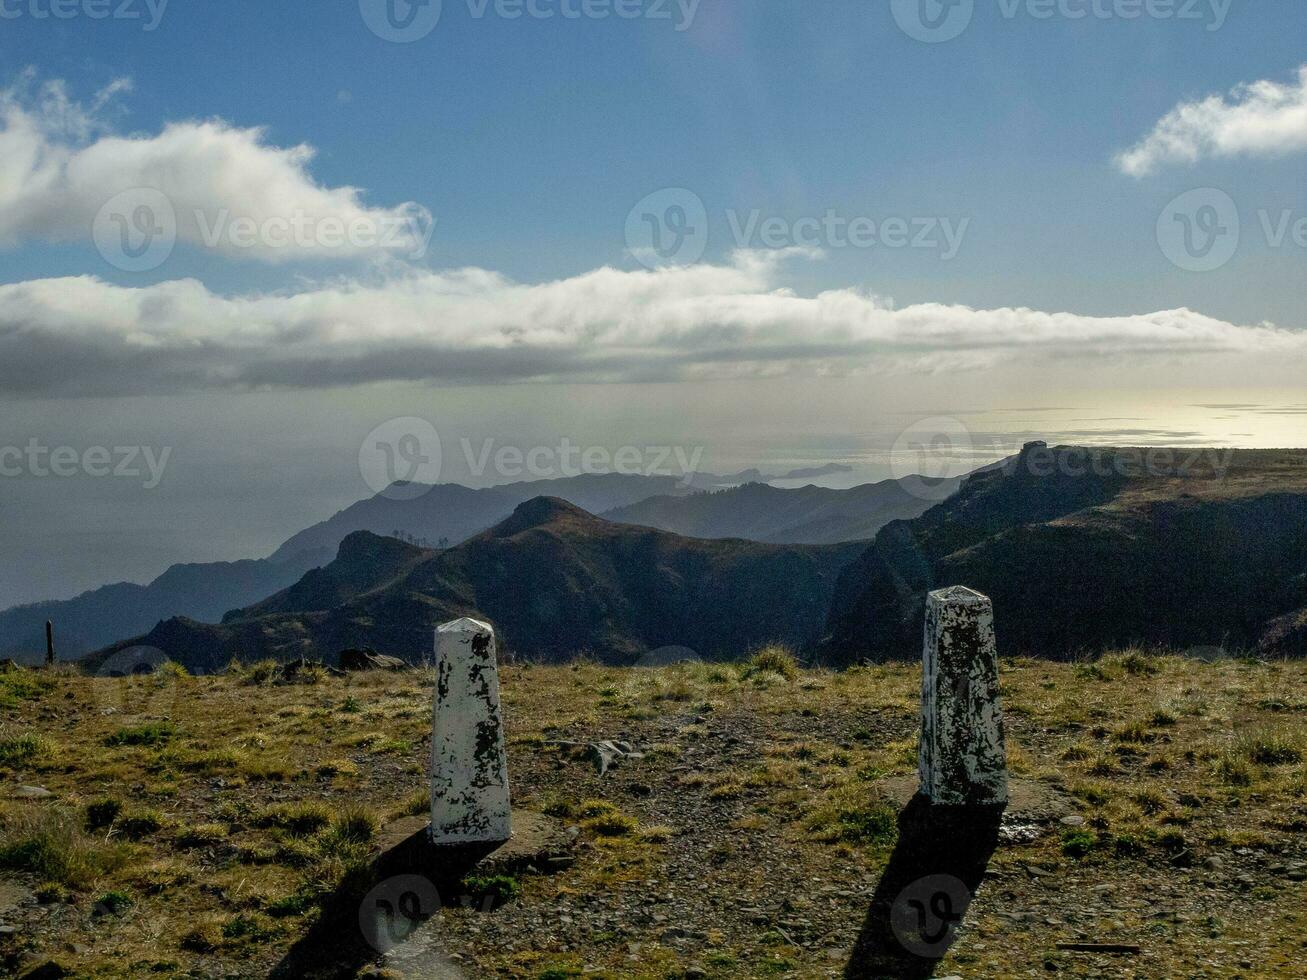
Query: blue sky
{"x": 1063, "y": 309}
{"x": 529, "y": 140}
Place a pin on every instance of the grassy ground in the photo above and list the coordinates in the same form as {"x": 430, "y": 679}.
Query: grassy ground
{"x": 197, "y": 824}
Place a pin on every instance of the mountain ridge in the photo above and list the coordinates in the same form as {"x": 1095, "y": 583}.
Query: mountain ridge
{"x": 1084, "y": 559}
{"x": 556, "y": 581}
{"x": 442, "y": 514}
{"x": 799, "y": 515}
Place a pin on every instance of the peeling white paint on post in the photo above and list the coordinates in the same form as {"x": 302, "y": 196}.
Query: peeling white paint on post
{"x": 961, "y": 758}
{"x": 469, "y": 767}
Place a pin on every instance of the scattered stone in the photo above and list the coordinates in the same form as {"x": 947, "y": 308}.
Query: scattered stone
{"x": 1122, "y": 949}
{"x": 1073, "y": 820}
{"x": 1018, "y": 833}
{"x": 291, "y": 671}
{"x": 604, "y": 755}
{"x": 369, "y": 659}
{"x": 1213, "y": 862}
{"x": 32, "y": 793}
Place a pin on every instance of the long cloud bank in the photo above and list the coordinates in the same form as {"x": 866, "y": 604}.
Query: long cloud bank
{"x": 1264, "y": 119}
{"x": 62, "y": 167}
{"x": 84, "y": 336}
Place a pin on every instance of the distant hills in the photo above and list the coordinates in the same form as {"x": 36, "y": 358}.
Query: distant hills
{"x": 555, "y": 580}
{"x": 1082, "y": 550}
{"x": 436, "y": 516}
{"x": 93, "y": 619}
{"x": 452, "y": 513}
{"x": 807, "y": 515}
{"x": 1085, "y": 550}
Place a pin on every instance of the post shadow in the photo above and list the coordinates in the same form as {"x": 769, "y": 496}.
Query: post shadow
{"x": 337, "y": 946}
{"x": 924, "y": 892}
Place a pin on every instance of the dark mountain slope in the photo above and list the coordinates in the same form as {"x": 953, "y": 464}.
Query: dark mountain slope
{"x": 364, "y": 562}
{"x": 805, "y": 515}
{"x": 199, "y": 591}
{"x": 1074, "y": 560}
{"x": 556, "y": 581}
{"x": 204, "y": 592}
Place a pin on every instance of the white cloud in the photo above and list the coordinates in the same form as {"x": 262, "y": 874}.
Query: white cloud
{"x": 60, "y": 163}
{"x": 1261, "y": 119}
{"x": 85, "y": 336}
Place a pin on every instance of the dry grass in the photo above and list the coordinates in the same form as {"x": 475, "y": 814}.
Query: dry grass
{"x": 219, "y": 811}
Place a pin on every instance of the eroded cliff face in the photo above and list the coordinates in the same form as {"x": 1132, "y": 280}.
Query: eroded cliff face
{"x": 1084, "y": 550}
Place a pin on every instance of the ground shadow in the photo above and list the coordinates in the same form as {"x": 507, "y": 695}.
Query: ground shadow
{"x": 381, "y": 907}
{"x": 923, "y": 895}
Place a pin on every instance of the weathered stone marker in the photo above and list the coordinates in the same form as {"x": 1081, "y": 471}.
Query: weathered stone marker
{"x": 469, "y": 767}
{"x": 961, "y": 759}
{"x": 49, "y": 643}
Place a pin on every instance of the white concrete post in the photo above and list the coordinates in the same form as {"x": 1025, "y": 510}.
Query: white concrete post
{"x": 469, "y": 767}
{"x": 961, "y": 759}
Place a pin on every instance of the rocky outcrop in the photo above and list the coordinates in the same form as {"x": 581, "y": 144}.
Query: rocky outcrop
{"x": 1084, "y": 550}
